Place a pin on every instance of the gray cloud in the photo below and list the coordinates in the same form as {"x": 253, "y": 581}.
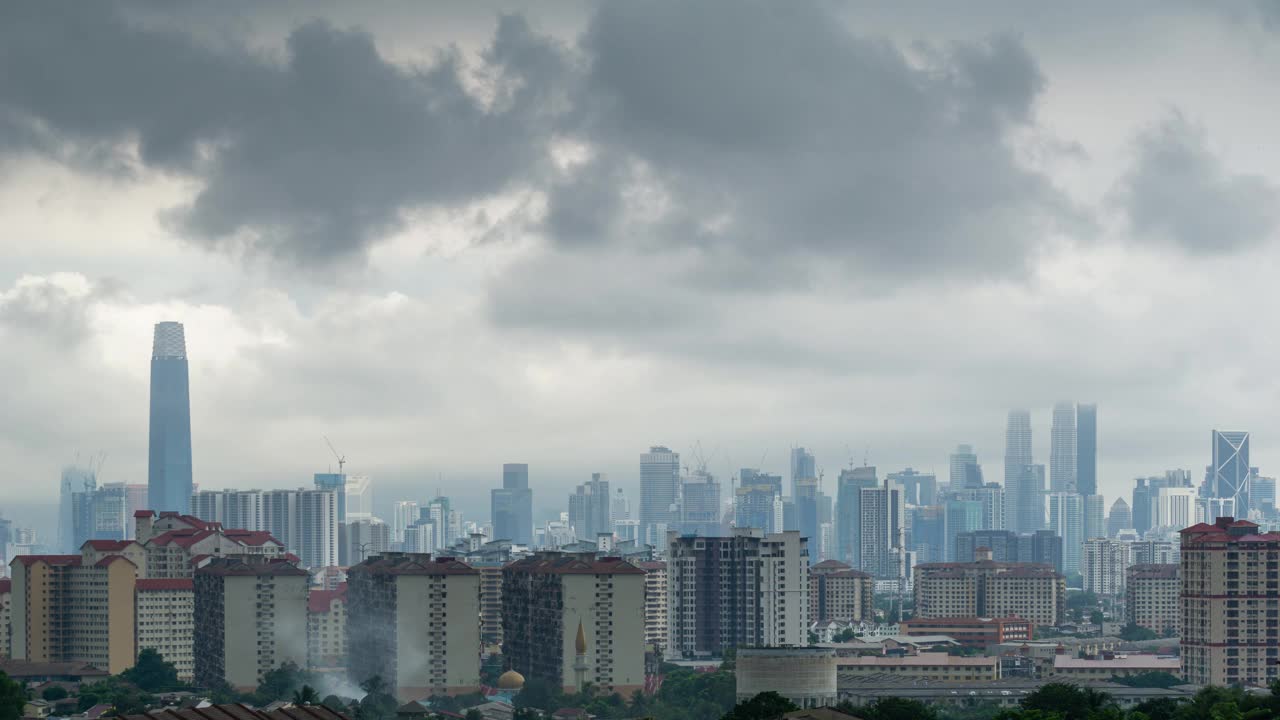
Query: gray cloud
{"x": 1179, "y": 192}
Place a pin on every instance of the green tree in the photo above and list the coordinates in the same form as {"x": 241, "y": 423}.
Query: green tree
{"x": 1135, "y": 633}
{"x": 896, "y": 708}
{"x": 1067, "y": 700}
{"x": 12, "y": 698}
{"x": 1096, "y": 617}
{"x": 306, "y": 695}
{"x": 764, "y": 706}
{"x": 280, "y": 683}
{"x": 474, "y": 714}
{"x": 1149, "y": 680}
{"x": 151, "y": 673}
{"x": 334, "y": 703}
{"x": 538, "y": 694}
{"x": 54, "y": 693}
{"x": 378, "y": 703}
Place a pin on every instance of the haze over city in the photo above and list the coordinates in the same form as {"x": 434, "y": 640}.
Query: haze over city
{"x": 454, "y": 235}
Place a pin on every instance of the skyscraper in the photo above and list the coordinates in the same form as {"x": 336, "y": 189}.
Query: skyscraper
{"x": 1094, "y": 526}
{"x": 1017, "y": 478}
{"x": 1066, "y": 520}
{"x": 1087, "y": 449}
{"x": 589, "y": 513}
{"x": 1062, "y": 448}
{"x": 1231, "y": 468}
{"x": 918, "y": 488}
{"x": 882, "y": 531}
{"x": 849, "y": 512}
{"x": 965, "y": 471}
{"x": 659, "y": 493}
{"x": 169, "y": 453}
{"x": 1120, "y": 518}
{"x": 511, "y": 506}
{"x": 700, "y": 505}
{"x": 802, "y": 466}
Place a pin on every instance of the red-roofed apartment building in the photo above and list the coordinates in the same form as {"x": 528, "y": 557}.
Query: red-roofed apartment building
{"x": 327, "y": 628}
{"x": 1230, "y": 632}
{"x": 175, "y": 544}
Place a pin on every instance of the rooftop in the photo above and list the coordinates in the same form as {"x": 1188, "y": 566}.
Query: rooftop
{"x": 400, "y": 563}
{"x": 585, "y": 564}
{"x": 319, "y": 601}
{"x": 921, "y": 660}
{"x": 1119, "y": 662}
{"x": 239, "y": 567}
{"x": 240, "y": 712}
{"x": 162, "y": 584}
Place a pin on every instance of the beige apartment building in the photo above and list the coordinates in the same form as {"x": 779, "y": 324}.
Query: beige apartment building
{"x": 1152, "y": 598}
{"x": 250, "y": 617}
{"x": 166, "y": 622}
{"x": 655, "y": 604}
{"x": 65, "y": 610}
{"x": 175, "y": 545}
{"x": 414, "y": 620}
{"x": 327, "y": 628}
{"x": 838, "y": 592}
{"x": 1230, "y": 632}
{"x": 985, "y": 588}
{"x": 573, "y": 619}
{"x": 490, "y": 602}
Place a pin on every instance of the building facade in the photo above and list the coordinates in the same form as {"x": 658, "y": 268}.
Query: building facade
{"x": 589, "y": 510}
{"x": 840, "y": 593}
{"x": 655, "y": 604}
{"x": 1104, "y": 565}
{"x": 166, "y": 622}
{"x": 972, "y": 632}
{"x": 1152, "y": 598}
{"x": 511, "y": 506}
{"x": 327, "y": 628}
{"x": 659, "y": 493}
{"x": 986, "y": 588}
{"x": 1022, "y": 498}
{"x": 169, "y": 449}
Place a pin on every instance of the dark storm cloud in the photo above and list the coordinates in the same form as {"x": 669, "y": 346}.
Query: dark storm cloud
{"x": 1179, "y": 192}
{"x": 309, "y": 157}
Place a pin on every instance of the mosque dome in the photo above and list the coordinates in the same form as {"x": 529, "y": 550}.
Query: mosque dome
{"x": 510, "y": 680}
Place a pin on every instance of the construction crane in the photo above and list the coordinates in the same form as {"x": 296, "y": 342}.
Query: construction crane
{"x": 342, "y": 459}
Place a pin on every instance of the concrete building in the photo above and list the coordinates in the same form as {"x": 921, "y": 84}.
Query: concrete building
{"x": 1094, "y": 516}
{"x": 805, "y": 676}
{"x": 758, "y": 506}
{"x": 175, "y": 544}
{"x": 659, "y": 493}
{"x": 1230, "y": 472}
{"x": 1065, "y": 511}
{"x": 1062, "y": 449}
{"x": 747, "y": 590}
{"x": 327, "y": 628}
{"x": 490, "y": 601}
{"x": 414, "y": 621}
{"x": 1022, "y": 493}
{"x": 1042, "y": 547}
{"x": 848, "y": 512}
{"x": 964, "y": 469}
{"x": 918, "y": 488}
{"x": 169, "y": 447}
{"x": 366, "y": 537}
{"x": 166, "y": 622}
{"x": 306, "y": 521}
{"x": 1173, "y": 507}
{"x": 1105, "y": 668}
{"x": 700, "y": 504}
{"x": 882, "y": 531}
{"x": 972, "y": 632}
{"x": 511, "y": 506}
{"x": 66, "y": 610}
{"x": 1120, "y": 518}
{"x": 840, "y": 593}
{"x": 569, "y": 620}
{"x": 1155, "y": 552}
{"x": 986, "y": 588}
{"x": 250, "y": 617}
{"x": 925, "y": 666}
{"x": 590, "y": 513}
{"x": 655, "y": 604}
{"x": 1152, "y": 598}
{"x": 1103, "y": 566}
{"x": 6, "y": 615}
{"x": 1230, "y": 634}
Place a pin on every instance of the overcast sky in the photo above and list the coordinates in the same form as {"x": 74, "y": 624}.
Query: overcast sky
{"x": 452, "y": 235}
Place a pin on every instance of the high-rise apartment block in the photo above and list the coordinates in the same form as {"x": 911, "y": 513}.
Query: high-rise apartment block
{"x": 173, "y": 544}
{"x": 882, "y": 532}
{"x": 511, "y": 506}
{"x": 1094, "y": 516}
{"x": 1230, "y": 632}
{"x": 6, "y": 615}
{"x": 749, "y": 589}
{"x": 571, "y": 620}
{"x": 918, "y": 488}
{"x": 169, "y": 454}
{"x": 327, "y": 628}
{"x": 1062, "y": 449}
{"x": 655, "y": 604}
{"x": 659, "y": 493}
{"x": 1041, "y": 547}
{"x": 166, "y": 622}
{"x": 414, "y": 621}
{"x": 1152, "y": 598}
{"x": 840, "y": 593}
{"x": 1104, "y": 564}
{"x": 1065, "y": 511}
{"x": 986, "y": 588}
{"x": 848, "y": 512}
{"x": 250, "y": 618}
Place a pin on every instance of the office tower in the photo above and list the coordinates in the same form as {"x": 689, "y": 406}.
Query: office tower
{"x": 746, "y": 590}
{"x": 1141, "y": 510}
{"x": 359, "y": 493}
{"x": 1173, "y": 507}
{"x": 1031, "y": 493}
{"x": 655, "y": 605}
{"x": 962, "y": 516}
{"x": 802, "y": 466}
{"x": 986, "y": 588}
{"x": 412, "y": 620}
{"x": 1209, "y": 509}
{"x": 848, "y": 511}
{"x": 1228, "y": 637}
{"x": 1120, "y": 518}
{"x": 169, "y": 454}
{"x": 403, "y": 514}
{"x": 882, "y": 531}
{"x": 570, "y": 620}
{"x": 918, "y": 488}
{"x": 1087, "y": 449}
{"x": 807, "y": 500}
{"x": 438, "y": 512}
{"x": 64, "y": 610}
{"x": 929, "y": 533}
{"x": 700, "y": 509}
{"x": 1103, "y": 565}
{"x": 991, "y": 498}
{"x": 839, "y": 593}
{"x": 511, "y": 506}
{"x": 90, "y": 512}
{"x": 619, "y": 508}
{"x": 1094, "y": 525}
{"x": 753, "y": 476}
{"x": 659, "y": 493}
{"x": 965, "y": 471}
{"x": 327, "y": 628}
{"x": 1019, "y": 507}
{"x": 589, "y": 511}
{"x": 1065, "y": 511}
{"x": 1151, "y": 598}
{"x": 1041, "y": 547}
{"x": 1062, "y": 449}
{"x": 758, "y": 506}
{"x": 337, "y": 482}
{"x": 1231, "y": 468}
{"x": 166, "y": 622}
{"x": 1262, "y": 494}
{"x": 250, "y": 618}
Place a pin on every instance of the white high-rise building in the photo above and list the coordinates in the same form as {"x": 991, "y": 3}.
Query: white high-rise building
{"x": 306, "y": 521}
{"x": 882, "y": 529}
{"x": 403, "y": 514}
{"x": 659, "y": 494}
{"x": 1104, "y": 565}
{"x": 619, "y": 507}
{"x": 1173, "y": 507}
{"x": 1062, "y": 448}
{"x": 240, "y": 509}
{"x": 1023, "y": 509}
{"x": 359, "y": 497}
{"x": 1094, "y": 517}
{"x": 1065, "y": 512}
{"x": 964, "y": 468}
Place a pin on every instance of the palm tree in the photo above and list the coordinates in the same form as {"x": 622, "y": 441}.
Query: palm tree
{"x": 306, "y": 695}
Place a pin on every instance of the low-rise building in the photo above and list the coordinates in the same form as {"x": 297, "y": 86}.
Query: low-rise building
{"x": 176, "y": 544}
{"x": 327, "y": 628}
{"x": 166, "y": 622}
{"x": 972, "y": 632}
{"x": 805, "y": 676}
{"x": 934, "y": 667}
{"x": 1109, "y": 666}
{"x": 1151, "y": 598}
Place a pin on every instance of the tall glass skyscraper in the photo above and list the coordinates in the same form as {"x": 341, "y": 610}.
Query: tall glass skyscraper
{"x": 511, "y": 506}
{"x": 659, "y": 494}
{"x": 1022, "y": 499}
{"x": 1087, "y": 449}
{"x": 1062, "y": 448}
{"x": 169, "y": 455}
{"x": 1231, "y": 468}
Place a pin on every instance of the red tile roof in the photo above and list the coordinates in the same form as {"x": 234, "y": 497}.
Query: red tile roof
{"x": 320, "y": 601}
{"x": 5, "y": 585}
{"x": 108, "y": 545}
{"x": 30, "y": 560}
{"x": 112, "y": 559}
{"x": 144, "y": 513}
{"x": 568, "y": 564}
{"x": 162, "y": 584}
{"x": 251, "y": 537}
